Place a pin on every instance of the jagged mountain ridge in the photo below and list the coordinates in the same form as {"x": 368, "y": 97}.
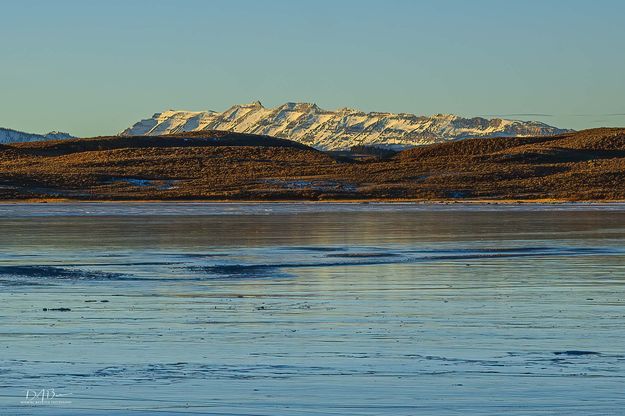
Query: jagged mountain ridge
{"x": 15, "y": 136}
{"x": 334, "y": 130}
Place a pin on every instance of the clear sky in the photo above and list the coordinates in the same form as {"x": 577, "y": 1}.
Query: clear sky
{"x": 95, "y": 67}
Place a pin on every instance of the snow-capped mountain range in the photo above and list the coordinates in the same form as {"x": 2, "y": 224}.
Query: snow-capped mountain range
{"x": 341, "y": 129}
{"x": 14, "y": 136}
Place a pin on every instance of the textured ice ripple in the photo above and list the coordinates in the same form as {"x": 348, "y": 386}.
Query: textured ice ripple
{"x": 55, "y": 272}
{"x": 270, "y": 263}
{"x": 388, "y": 256}
{"x": 547, "y": 364}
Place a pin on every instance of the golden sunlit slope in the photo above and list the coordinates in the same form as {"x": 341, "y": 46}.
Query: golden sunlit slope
{"x": 215, "y": 165}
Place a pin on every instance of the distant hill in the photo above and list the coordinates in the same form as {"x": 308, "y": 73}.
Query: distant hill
{"x": 214, "y": 165}
{"x": 14, "y": 136}
{"x": 337, "y": 130}
{"x": 208, "y": 138}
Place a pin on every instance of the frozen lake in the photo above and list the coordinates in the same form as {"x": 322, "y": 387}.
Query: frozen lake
{"x": 312, "y": 309}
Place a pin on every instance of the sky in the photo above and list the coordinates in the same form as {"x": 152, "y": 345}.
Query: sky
{"x": 95, "y": 67}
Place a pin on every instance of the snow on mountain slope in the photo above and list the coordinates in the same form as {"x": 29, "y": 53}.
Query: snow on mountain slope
{"x": 58, "y": 135}
{"x": 332, "y": 130}
{"x": 14, "y": 136}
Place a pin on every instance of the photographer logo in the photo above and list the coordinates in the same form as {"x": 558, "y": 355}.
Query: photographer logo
{"x": 45, "y": 397}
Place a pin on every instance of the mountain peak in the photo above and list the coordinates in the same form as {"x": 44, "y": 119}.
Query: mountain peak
{"x": 58, "y": 135}
{"x": 445, "y": 116}
{"x": 15, "y": 136}
{"x": 347, "y": 110}
{"x": 332, "y": 130}
{"x": 253, "y": 104}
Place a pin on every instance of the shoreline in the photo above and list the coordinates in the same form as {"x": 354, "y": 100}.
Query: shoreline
{"x": 546, "y": 201}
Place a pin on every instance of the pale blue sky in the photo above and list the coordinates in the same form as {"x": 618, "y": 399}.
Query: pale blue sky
{"x": 95, "y": 67}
